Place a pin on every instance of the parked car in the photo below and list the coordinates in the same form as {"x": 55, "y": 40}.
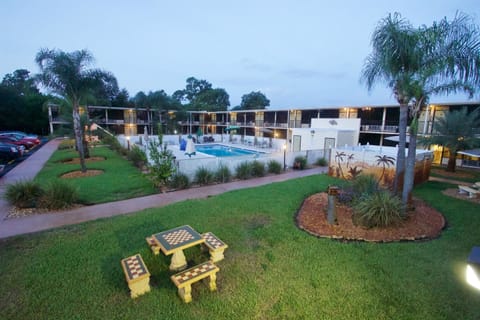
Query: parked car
{"x": 8, "y": 151}
{"x": 27, "y": 141}
{"x": 20, "y": 133}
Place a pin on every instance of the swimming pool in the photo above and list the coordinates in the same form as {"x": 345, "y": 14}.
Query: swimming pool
{"x": 219, "y": 150}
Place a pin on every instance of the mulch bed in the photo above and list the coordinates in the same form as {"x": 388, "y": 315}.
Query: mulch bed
{"x": 87, "y": 160}
{"x": 423, "y": 223}
{"x": 80, "y": 174}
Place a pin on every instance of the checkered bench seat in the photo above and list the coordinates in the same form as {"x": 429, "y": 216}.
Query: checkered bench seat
{"x": 153, "y": 245}
{"x": 184, "y": 280}
{"x": 215, "y": 246}
{"x": 137, "y": 275}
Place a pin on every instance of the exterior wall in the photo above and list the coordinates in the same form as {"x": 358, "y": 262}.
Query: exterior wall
{"x": 348, "y": 163}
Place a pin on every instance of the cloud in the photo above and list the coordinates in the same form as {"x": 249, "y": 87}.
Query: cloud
{"x": 251, "y": 65}
{"x": 302, "y": 73}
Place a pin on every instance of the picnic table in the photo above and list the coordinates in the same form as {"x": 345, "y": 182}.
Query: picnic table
{"x": 174, "y": 241}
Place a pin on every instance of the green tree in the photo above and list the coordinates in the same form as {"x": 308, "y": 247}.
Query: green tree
{"x": 212, "y": 100}
{"x": 456, "y": 131}
{"x": 199, "y": 95}
{"x": 416, "y": 63}
{"x": 66, "y": 75}
{"x": 20, "y": 82}
{"x": 21, "y": 104}
{"x": 254, "y": 100}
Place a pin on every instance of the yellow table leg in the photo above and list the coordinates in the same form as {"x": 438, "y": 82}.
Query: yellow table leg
{"x": 178, "y": 261}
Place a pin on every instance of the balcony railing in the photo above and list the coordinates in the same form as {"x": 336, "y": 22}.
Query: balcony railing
{"x": 378, "y": 128}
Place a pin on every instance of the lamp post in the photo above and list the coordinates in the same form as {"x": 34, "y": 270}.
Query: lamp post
{"x": 128, "y": 143}
{"x": 284, "y": 157}
{"x": 473, "y": 268}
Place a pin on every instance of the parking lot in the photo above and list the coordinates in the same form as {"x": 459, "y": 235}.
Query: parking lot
{"x": 12, "y": 164}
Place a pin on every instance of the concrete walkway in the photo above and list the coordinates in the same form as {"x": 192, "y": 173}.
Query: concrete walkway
{"x": 31, "y": 166}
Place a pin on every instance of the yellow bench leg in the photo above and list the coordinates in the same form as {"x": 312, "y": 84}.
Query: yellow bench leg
{"x": 212, "y": 284}
{"x": 185, "y": 293}
{"x": 216, "y": 255}
{"x": 138, "y": 288}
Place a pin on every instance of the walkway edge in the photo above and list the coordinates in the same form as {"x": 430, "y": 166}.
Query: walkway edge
{"x": 42, "y": 222}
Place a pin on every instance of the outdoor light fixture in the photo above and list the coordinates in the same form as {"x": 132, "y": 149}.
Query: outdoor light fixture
{"x": 312, "y": 132}
{"x": 128, "y": 143}
{"x": 284, "y": 156}
{"x": 473, "y": 268}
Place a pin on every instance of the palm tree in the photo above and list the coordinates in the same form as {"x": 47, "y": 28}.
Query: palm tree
{"x": 419, "y": 62}
{"x": 66, "y": 75}
{"x": 394, "y": 60}
{"x": 456, "y": 131}
{"x": 385, "y": 161}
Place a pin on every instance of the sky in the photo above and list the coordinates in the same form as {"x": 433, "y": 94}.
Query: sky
{"x": 300, "y": 54}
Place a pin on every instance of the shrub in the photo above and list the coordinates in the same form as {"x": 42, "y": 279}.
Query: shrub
{"x": 223, "y": 174}
{"x": 179, "y": 181}
{"x": 300, "y": 163}
{"x": 137, "y": 156}
{"x": 244, "y": 170}
{"x": 365, "y": 184}
{"x": 24, "y": 194}
{"x": 322, "y": 162}
{"x": 67, "y": 144}
{"x": 58, "y": 194}
{"x": 274, "y": 166}
{"x": 203, "y": 176}
{"x": 162, "y": 167}
{"x": 380, "y": 209}
{"x": 258, "y": 168}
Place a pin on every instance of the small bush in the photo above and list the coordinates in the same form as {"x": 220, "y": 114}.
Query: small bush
{"x": 322, "y": 162}
{"x": 179, "y": 181}
{"x": 258, "y": 169}
{"x": 364, "y": 184}
{"x": 58, "y": 194}
{"x": 223, "y": 174}
{"x": 380, "y": 209}
{"x": 24, "y": 194}
{"x": 137, "y": 156}
{"x": 203, "y": 176}
{"x": 300, "y": 163}
{"x": 67, "y": 144}
{"x": 274, "y": 167}
{"x": 244, "y": 170}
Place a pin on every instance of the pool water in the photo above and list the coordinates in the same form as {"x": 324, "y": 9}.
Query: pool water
{"x": 219, "y": 150}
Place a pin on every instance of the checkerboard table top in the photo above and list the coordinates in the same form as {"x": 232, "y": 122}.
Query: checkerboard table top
{"x": 134, "y": 267}
{"x": 177, "y": 239}
{"x": 213, "y": 241}
{"x": 202, "y": 269}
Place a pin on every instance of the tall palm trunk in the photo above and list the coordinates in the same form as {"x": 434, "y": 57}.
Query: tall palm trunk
{"x": 77, "y": 128}
{"x": 402, "y": 138}
{"x": 452, "y": 159}
{"x": 409, "y": 177}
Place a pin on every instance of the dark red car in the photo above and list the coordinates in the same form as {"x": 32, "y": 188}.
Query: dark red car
{"x": 26, "y": 141}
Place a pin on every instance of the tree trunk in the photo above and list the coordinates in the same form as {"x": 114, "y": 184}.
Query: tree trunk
{"x": 402, "y": 137}
{"x": 452, "y": 161}
{"x": 409, "y": 177}
{"x": 77, "y": 127}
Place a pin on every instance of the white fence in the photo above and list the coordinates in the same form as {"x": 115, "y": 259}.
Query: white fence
{"x": 266, "y": 150}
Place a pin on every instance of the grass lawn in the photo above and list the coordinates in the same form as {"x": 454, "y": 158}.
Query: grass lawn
{"x": 120, "y": 180}
{"x": 471, "y": 175}
{"x": 271, "y": 270}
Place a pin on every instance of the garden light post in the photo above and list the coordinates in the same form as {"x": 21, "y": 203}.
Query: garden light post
{"x": 473, "y": 268}
{"x": 128, "y": 143}
{"x": 284, "y": 157}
